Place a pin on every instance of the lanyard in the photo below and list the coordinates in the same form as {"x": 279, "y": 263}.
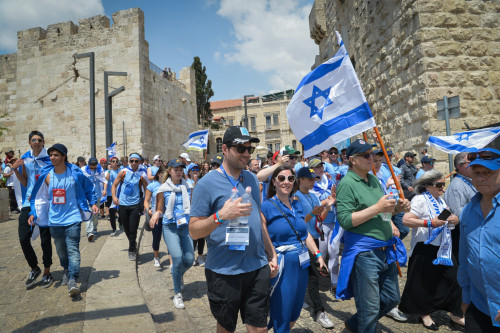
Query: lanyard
{"x": 467, "y": 182}
{"x": 234, "y": 183}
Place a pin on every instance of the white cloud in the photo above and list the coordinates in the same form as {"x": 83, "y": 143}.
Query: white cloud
{"x": 272, "y": 37}
{"x": 18, "y": 15}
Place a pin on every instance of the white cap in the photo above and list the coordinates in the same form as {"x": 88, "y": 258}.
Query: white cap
{"x": 186, "y": 156}
{"x": 157, "y": 157}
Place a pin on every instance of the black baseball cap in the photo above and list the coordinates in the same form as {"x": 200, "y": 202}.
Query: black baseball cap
{"x": 410, "y": 154}
{"x": 80, "y": 159}
{"x": 357, "y": 147}
{"x": 238, "y": 135}
{"x": 59, "y": 147}
{"x": 93, "y": 160}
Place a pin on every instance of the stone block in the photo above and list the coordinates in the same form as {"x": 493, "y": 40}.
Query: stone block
{"x": 432, "y": 79}
{"x": 493, "y": 49}
{"x": 478, "y": 78}
{"x": 445, "y": 20}
{"x": 475, "y": 49}
{"x": 449, "y": 48}
{"x": 454, "y": 6}
{"x": 460, "y": 34}
{"x": 490, "y": 20}
{"x": 469, "y": 20}
{"x": 485, "y": 93}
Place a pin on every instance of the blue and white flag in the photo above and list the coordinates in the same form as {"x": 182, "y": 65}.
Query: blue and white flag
{"x": 464, "y": 141}
{"x": 111, "y": 150}
{"x": 197, "y": 140}
{"x": 328, "y": 105}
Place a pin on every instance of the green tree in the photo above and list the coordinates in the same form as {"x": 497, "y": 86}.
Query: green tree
{"x": 203, "y": 91}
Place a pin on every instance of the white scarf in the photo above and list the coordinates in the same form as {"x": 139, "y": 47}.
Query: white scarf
{"x": 168, "y": 186}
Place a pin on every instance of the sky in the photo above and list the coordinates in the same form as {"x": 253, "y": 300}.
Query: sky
{"x": 248, "y": 46}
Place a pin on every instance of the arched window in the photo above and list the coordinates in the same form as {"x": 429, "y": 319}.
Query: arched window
{"x": 218, "y": 143}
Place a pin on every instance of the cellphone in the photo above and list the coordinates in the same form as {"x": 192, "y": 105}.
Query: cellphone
{"x": 444, "y": 214}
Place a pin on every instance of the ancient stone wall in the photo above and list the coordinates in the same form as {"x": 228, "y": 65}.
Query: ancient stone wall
{"x": 52, "y": 87}
{"x": 410, "y": 53}
{"x": 8, "y": 63}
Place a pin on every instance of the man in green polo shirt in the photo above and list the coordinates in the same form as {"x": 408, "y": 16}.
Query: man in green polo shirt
{"x": 368, "y": 270}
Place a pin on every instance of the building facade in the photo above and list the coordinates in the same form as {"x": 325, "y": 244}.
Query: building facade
{"x": 266, "y": 120}
{"x": 408, "y": 54}
{"x": 43, "y": 87}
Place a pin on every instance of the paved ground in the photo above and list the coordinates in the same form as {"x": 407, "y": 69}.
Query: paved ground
{"x": 121, "y": 296}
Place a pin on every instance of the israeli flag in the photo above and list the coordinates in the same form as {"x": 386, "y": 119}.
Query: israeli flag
{"x": 465, "y": 141}
{"x": 328, "y": 105}
{"x": 197, "y": 140}
{"x": 112, "y": 150}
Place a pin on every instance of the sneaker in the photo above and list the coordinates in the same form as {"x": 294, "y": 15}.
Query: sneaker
{"x": 132, "y": 256}
{"x": 200, "y": 261}
{"x": 73, "y": 289}
{"x": 333, "y": 291}
{"x": 90, "y": 237}
{"x": 157, "y": 262}
{"x": 397, "y": 315}
{"x": 47, "y": 280}
{"x": 33, "y": 275}
{"x": 112, "y": 234}
{"x": 178, "y": 302}
{"x": 64, "y": 280}
{"x": 323, "y": 320}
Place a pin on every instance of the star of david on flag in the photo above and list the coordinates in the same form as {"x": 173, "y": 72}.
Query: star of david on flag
{"x": 111, "y": 150}
{"x": 197, "y": 140}
{"x": 328, "y": 105}
{"x": 464, "y": 141}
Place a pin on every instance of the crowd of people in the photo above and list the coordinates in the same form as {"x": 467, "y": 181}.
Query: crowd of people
{"x": 274, "y": 226}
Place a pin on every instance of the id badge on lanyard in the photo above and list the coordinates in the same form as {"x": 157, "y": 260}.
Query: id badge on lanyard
{"x": 58, "y": 196}
{"x": 180, "y": 219}
{"x": 237, "y": 238}
{"x": 304, "y": 259}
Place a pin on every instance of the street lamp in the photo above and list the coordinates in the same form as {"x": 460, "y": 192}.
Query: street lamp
{"x": 245, "y": 103}
{"x": 108, "y": 106}
{"x": 92, "y": 98}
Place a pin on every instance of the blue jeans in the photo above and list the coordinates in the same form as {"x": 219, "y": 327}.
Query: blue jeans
{"x": 180, "y": 248}
{"x": 398, "y": 222}
{"x": 67, "y": 242}
{"x": 376, "y": 290}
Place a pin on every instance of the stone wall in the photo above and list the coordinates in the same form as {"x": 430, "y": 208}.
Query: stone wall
{"x": 52, "y": 87}
{"x": 410, "y": 53}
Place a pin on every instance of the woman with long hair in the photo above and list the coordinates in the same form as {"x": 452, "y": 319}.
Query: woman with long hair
{"x": 173, "y": 204}
{"x": 288, "y": 232}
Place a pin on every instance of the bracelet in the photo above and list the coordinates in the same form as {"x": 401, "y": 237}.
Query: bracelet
{"x": 318, "y": 254}
{"x": 217, "y": 219}
{"x": 312, "y": 216}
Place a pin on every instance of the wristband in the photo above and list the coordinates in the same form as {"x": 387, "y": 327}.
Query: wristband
{"x": 318, "y": 251}
{"x": 312, "y": 216}
{"x": 318, "y": 254}
{"x": 217, "y": 219}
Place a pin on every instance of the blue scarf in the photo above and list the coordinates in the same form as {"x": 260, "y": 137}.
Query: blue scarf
{"x": 41, "y": 160}
{"x": 356, "y": 243}
{"x": 84, "y": 193}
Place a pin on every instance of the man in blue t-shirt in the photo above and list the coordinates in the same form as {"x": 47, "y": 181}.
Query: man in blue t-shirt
{"x": 27, "y": 169}
{"x": 228, "y": 266}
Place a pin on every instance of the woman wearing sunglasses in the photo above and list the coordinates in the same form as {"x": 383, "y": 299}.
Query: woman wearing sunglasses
{"x": 288, "y": 232}
{"x": 431, "y": 283}
{"x": 193, "y": 177}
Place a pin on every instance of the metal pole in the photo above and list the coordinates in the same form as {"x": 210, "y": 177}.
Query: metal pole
{"x": 246, "y": 115}
{"x": 124, "y": 139}
{"x": 108, "y": 114}
{"x": 448, "y": 131}
{"x": 92, "y": 99}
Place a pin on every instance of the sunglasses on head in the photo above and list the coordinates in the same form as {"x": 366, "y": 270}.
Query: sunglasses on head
{"x": 365, "y": 155}
{"x": 37, "y": 140}
{"x": 282, "y": 178}
{"x": 133, "y": 161}
{"x": 440, "y": 184}
{"x": 241, "y": 149}
{"x": 483, "y": 155}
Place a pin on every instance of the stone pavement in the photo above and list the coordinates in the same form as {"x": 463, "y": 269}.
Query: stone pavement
{"x": 118, "y": 295}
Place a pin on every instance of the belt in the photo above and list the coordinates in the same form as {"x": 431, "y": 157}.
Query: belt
{"x": 383, "y": 248}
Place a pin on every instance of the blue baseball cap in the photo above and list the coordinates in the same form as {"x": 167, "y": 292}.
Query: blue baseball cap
{"x": 492, "y": 163}
{"x": 192, "y": 166}
{"x": 357, "y": 147}
{"x": 93, "y": 160}
{"x": 59, "y": 147}
{"x": 175, "y": 163}
{"x": 306, "y": 172}
{"x": 427, "y": 159}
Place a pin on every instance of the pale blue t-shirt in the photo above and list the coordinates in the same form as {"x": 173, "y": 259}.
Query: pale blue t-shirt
{"x": 112, "y": 177}
{"x": 153, "y": 188}
{"x": 61, "y": 215}
{"x": 308, "y": 202}
{"x": 209, "y": 195}
{"x": 130, "y": 193}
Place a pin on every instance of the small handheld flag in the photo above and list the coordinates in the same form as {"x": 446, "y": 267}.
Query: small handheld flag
{"x": 111, "y": 150}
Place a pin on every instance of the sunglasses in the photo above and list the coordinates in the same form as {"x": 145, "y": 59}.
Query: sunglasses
{"x": 365, "y": 155}
{"x": 195, "y": 169}
{"x": 333, "y": 152}
{"x": 282, "y": 178}
{"x": 241, "y": 149}
{"x": 292, "y": 157}
{"x": 37, "y": 140}
{"x": 114, "y": 161}
{"x": 440, "y": 184}
{"x": 483, "y": 155}
{"x": 134, "y": 161}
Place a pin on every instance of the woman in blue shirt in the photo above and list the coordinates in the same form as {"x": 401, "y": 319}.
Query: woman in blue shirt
{"x": 173, "y": 203}
{"x": 150, "y": 208}
{"x": 288, "y": 232}
{"x": 110, "y": 177}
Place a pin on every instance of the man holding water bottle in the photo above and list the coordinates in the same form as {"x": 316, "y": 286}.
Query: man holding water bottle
{"x": 368, "y": 270}
{"x": 237, "y": 275}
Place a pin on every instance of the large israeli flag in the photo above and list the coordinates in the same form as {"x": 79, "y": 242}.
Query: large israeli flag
{"x": 197, "y": 140}
{"x": 328, "y": 105}
{"x": 465, "y": 141}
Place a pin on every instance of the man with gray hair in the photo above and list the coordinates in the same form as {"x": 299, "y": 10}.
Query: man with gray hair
{"x": 459, "y": 193}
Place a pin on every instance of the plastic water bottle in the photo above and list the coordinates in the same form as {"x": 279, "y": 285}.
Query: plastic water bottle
{"x": 233, "y": 197}
{"x": 387, "y": 216}
{"x": 245, "y": 199}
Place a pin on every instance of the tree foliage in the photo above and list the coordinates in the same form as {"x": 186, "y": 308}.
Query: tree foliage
{"x": 203, "y": 91}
